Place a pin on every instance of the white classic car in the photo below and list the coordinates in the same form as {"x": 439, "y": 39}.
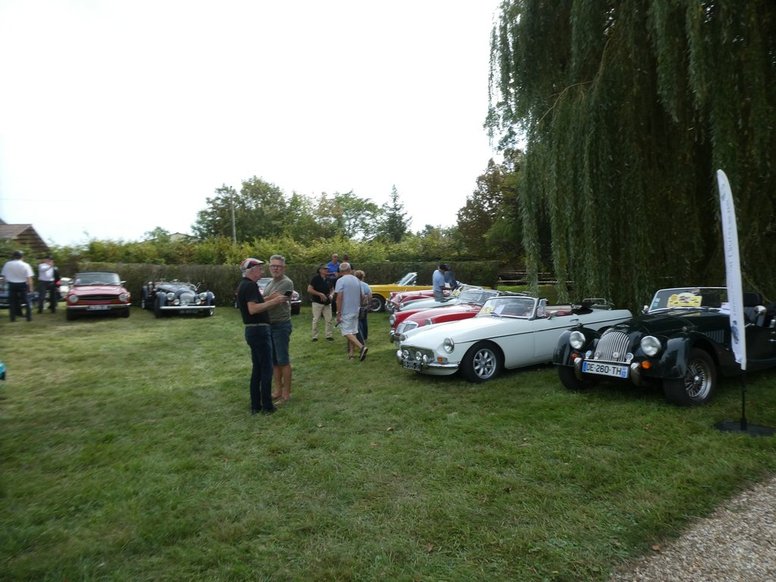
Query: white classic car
{"x": 508, "y": 332}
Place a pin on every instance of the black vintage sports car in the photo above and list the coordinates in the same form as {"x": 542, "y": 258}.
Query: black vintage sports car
{"x": 176, "y": 297}
{"x": 682, "y": 342}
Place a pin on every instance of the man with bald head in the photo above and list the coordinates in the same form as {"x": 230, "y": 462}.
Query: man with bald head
{"x": 348, "y": 290}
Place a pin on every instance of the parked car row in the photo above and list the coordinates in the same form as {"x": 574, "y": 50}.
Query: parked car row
{"x": 682, "y": 342}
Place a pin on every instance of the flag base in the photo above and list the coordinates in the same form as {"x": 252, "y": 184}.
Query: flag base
{"x": 744, "y": 427}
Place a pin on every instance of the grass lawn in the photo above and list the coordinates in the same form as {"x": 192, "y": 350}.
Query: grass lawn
{"x": 128, "y": 453}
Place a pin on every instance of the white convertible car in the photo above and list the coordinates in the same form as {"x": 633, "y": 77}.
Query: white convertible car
{"x": 508, "y": 332}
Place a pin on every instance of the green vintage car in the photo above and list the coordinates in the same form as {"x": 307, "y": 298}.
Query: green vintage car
{"x": 682, "y": 342}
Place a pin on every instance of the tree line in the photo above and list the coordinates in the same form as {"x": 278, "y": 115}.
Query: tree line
{"x": 626, "y": 109}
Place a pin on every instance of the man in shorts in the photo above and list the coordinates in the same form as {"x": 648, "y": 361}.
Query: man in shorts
{"x": 348, "y": 291}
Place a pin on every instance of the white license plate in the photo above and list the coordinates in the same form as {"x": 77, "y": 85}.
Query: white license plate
{"x": 410, "y": 365}
{"x": 612, "y": 370}
{"x": 98, "y": 308}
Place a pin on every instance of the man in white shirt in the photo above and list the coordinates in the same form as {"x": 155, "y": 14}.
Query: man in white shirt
{"x": 46, "y": 285}
{"x": 18, "y": 276}
{"x": 348, "y": 291}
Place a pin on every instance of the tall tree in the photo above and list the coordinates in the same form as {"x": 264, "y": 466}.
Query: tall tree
{"x": 489, "y": 223}
{"x": 628, "y": 107}
{"x": 259, "y": 210}
{"x": 348, "y": 215}
{"x": 394, "y": 224}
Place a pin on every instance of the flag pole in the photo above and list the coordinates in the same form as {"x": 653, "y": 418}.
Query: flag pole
{"x": 735, "y": 299}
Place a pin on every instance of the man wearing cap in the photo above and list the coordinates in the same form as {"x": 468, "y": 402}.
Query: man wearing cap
{"x": 253, "y": 308}
{"x": 18, "y": 275}
{"x": 348, "y": 303}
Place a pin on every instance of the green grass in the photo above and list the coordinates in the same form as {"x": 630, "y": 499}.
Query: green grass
{"x": 128, "y": 453}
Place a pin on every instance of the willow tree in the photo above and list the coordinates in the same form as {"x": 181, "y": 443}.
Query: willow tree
{"x": 627, "y": 109}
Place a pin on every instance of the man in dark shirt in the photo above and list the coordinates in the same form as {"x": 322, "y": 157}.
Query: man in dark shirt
{"x": 320, "y": 291}
{"x": 258, "y": 335}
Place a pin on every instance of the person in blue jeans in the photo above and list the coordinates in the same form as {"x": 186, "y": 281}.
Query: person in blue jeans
{"x": 280, "y": 323}
{"x": 258, "y": 335}
{"x": 366, "y": 299}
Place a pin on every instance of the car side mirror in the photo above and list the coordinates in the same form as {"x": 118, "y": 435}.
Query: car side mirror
{"x": 645, "y": 309}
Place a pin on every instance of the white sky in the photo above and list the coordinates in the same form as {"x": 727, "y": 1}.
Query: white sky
{"x": 118, "y": 116}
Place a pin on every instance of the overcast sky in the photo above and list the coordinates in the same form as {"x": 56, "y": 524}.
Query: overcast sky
{"x": 118, "y": 116}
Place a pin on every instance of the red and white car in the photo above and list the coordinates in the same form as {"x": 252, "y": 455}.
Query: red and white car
{"x": 97, "y": 293}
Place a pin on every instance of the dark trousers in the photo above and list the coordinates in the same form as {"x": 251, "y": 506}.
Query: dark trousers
{"x": 363, "y": 329}
{"x": 259, "y": 339}
{"x": 47, "y": 288}
{"x": 17, "y": 296}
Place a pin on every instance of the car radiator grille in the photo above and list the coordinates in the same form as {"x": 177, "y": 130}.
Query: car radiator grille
{"x": 99, "y": 298}
{"x": 612, "y": 347}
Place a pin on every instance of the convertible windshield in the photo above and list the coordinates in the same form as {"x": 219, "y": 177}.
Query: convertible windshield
{"x": 521, "y": 307}
{"x": 689, "y": 298}
{"x": 476, "y": 296}
{"x": 408, "y": 279}
{"x": 97, "y": 279}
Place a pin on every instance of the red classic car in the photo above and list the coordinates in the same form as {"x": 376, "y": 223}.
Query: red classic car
{"x": 97, "y": 292}
{"x": 465, "y": 305}
{"x": 399, "y": 299}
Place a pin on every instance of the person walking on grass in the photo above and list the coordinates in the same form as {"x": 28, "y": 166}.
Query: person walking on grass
{"x": 320, "y": 291}
{"x": 280, "y": 323}
{"x": 258, "y": 334}
{"x": 348, "y": 303}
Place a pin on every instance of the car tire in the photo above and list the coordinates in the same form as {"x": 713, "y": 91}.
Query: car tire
{"x": 70, "y": 315}
{"x": 698, "y": 384}
{"x": 158, "y": 306}
{"x": 144, "y": 299}
{"x": 125, "y": 313}
{"x": 377, "y": 304}
{"x": 481, "y": 363}
{"x": 570, "y": 381}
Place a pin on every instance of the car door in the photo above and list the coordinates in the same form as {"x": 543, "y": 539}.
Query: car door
{"x": 547, "y": 332}
{"x": 760, "y": 347}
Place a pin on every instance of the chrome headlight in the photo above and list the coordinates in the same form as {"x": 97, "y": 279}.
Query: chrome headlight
{"x": 73, "y": 299}
{"x": 650, "y": 345}
{"x": 123, "y": 297}
{"x": 170, "y": 296}
{"x": 203, "y": 296}
{"x": 448, "y": 345}
{"x": 391, "y": 320}
{"x": 577, "y": 339}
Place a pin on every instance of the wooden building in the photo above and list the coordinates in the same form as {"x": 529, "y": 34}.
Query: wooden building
{"x": 23, "y": 236}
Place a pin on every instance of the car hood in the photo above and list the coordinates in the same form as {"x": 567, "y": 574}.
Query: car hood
{"x": 672, "y": 322}
{"x": 447, "y": 311}
{"x": 467, "y": 330}
{"x": 97, "y": 289}
{"x": 429, "y": 304}
{"x": 177, "y": 290}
